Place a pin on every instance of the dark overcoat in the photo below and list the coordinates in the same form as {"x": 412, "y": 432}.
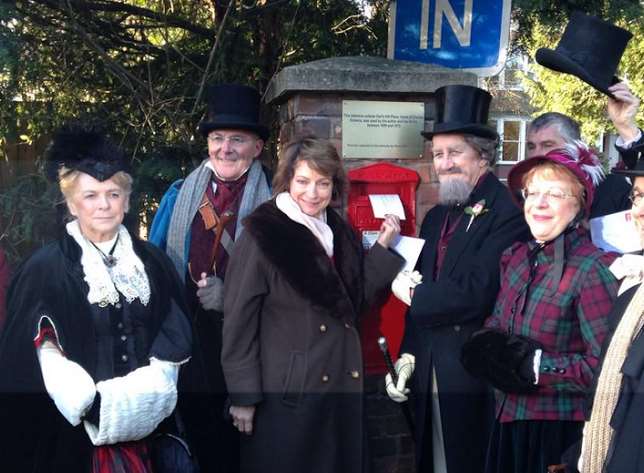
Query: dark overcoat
{"x": 291, "y": 344}
{"x": 630, "y": 155}
{"x": 34, "y": 436}
{"x": 626, "y": 453}
{"x": 611, "y": 195}
{"x": 4, "y": 282}
{"x": 444, "y": 313}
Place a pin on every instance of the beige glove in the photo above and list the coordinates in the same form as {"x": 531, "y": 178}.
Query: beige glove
{"x": 403, "y": 284}
{"x": 404, "y": 369}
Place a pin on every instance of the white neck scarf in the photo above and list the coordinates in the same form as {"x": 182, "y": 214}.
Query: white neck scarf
{"x": 128, "y": 276}
{"x": 317, "y": 226}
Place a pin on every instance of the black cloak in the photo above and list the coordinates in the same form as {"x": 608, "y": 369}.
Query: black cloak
{"x": 34, "y": 436}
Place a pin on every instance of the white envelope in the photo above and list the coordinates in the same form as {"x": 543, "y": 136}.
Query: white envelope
{"x": 615, "y": 232}
{"x": 407, "y": 247}
{"x": 383, "y": 204}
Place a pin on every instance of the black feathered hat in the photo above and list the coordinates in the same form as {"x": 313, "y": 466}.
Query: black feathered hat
{"x": 462, "y": 109}
{"x": 233, "y": 106}
{"x": 590, "y": 49}
{"x": 84, "y": 149}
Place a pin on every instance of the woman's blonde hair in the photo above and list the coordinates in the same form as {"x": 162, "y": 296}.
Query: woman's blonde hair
{"x": 552, "y": 170}
{"x": 67, "y": 180}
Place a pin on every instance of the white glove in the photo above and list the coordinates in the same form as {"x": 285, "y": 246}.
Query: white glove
{"x": 629, "y": 269}
{"x": 628, "y": 265}
{"x": 403, "y": 284}
{"x": 68, "y": 384}
{"x": 211, "y": 296}
{"x": 404, "y": 369}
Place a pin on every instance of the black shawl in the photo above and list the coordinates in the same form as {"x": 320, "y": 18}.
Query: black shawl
{"x": 51, "y": 283}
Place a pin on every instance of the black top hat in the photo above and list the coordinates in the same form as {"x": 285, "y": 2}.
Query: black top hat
{"x": 462, "y": 109}
{"x": 637, "y": 171}
{"x": 590, "y": 49}
{"x": 86, "y": 149}
{"x": 233, "y": 106}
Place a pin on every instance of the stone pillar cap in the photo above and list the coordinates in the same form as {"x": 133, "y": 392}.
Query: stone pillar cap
{"x": 363, "y": 74}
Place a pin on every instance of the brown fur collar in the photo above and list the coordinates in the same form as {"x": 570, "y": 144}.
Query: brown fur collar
{"x": 298, "y": 255}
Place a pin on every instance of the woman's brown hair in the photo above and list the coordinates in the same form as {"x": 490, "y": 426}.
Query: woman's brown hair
{"x": 321, "y": 156}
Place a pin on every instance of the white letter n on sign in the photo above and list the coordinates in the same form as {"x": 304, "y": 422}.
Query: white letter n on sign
{"x": 462, "y": 32}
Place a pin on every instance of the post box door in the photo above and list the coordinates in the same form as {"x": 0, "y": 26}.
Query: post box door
{"x": 388, "y": 319}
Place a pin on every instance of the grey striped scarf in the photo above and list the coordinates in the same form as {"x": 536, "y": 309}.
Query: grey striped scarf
{"x": 256, "y": 191}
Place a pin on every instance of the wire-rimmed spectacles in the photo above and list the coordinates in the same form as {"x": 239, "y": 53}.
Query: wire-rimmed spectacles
{"x": 552, "y": 195}
{"x": 636, "y": 197}
{"x": 234, "y": 140}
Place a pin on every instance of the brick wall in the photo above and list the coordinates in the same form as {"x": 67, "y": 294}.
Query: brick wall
{"x": 390, "y": 442}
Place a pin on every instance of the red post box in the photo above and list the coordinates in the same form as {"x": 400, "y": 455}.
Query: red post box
{"x": 387, "y": 320}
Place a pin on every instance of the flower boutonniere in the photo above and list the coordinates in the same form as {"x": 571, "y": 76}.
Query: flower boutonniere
{"x": 474, "y": 211}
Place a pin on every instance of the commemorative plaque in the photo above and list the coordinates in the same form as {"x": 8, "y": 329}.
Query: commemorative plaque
{"x": 382, "y": 130}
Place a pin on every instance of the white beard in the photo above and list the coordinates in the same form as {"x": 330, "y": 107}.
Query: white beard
{"x": 454, "y": 191}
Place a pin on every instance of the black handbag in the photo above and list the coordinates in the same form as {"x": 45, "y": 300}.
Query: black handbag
{"x": 171, "y": 452}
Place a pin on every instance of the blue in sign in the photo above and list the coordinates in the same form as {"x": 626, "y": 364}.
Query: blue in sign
{"x": 461, "y": 34}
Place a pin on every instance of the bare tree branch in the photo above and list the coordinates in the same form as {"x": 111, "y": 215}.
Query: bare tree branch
{"x": 211, "y": 56}
{"x": 113, "y": 6}
{"x": 119, "y": 71}
{"x": 101, "y": 28}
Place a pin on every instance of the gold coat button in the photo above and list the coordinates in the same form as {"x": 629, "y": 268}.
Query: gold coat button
{"x": 322, "y": 328}
{"x": 355, "y": 374}
{"x": 325, "y": 378}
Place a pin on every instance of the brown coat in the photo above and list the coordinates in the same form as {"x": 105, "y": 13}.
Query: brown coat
{"x": 290, "y": 342}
